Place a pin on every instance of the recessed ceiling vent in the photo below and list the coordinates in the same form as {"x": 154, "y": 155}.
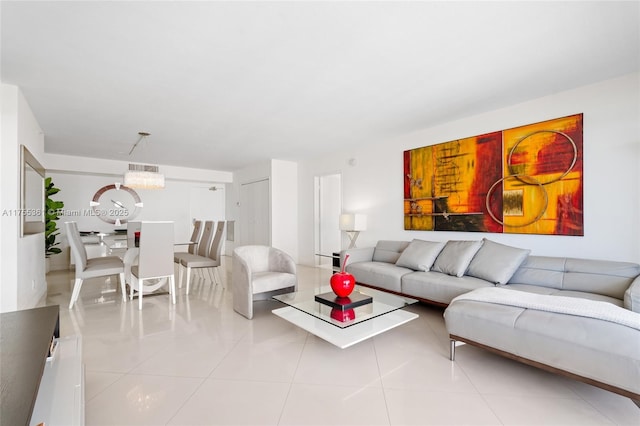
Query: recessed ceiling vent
{"x": 143, "y": 168}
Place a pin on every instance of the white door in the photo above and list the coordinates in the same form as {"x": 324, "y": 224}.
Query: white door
{"x": 255, "y": 214}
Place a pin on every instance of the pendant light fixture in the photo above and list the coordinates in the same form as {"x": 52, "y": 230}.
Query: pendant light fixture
{"x": 142, "y": 175}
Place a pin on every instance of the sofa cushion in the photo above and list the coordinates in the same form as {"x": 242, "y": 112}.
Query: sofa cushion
{"x": 438, "y": 287}
{"x": 496, "y": 262}
{"x": 389, "y": 251}
{"x": 609, "y": 278}
{"x": 379, "y": 274}
{"x": 592, "y": 348}
{"x": 420, "y": 255}
{"x": 566, "y": 293}
{"x": 632, "y": 296}
{"x": 543, "y": 271}
{"x": 455, "y": 257}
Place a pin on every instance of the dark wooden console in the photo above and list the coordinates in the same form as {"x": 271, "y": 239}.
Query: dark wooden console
{"x": 25, "y": 339}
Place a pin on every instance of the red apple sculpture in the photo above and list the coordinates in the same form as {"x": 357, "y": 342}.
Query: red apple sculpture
{"x": 343, "y": 316}
{"x": 342, "y": 283}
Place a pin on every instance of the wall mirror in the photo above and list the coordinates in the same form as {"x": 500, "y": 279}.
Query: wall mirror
{"x": 32, "y": 208}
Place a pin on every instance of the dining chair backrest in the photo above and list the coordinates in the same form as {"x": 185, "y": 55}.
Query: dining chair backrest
{"x": 77, "y": 246}
{"x": 205, "y": 240}
{"x": 195, "y": 236}
{"x": 156, "y": 249}
{"x": 216, "y": 243}
{"x": 132, "y": 227}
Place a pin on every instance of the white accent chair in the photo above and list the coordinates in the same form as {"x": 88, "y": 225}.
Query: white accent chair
{"x": 260, "y": 272}
{"x": 91, "y": 268}
{"x": 155, "y": 261}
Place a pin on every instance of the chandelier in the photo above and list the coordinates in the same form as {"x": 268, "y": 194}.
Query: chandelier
{"x": 142, "y": 175}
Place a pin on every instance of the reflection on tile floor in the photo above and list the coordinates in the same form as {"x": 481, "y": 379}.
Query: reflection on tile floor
{"x": 200, "y": 363}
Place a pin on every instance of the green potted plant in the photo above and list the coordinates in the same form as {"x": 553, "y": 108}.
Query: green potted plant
{"x": 51, "y": 216}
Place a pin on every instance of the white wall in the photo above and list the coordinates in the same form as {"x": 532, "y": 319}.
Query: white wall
{"x": 284, "y": 206}
{"x": 22, "y": 271}
{"x": 611, "y": 108}
{"x": 283, "y": 181}
{"x": 249, "y": 174}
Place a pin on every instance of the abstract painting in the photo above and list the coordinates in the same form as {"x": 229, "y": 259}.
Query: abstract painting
{"x": 525, "y": 180}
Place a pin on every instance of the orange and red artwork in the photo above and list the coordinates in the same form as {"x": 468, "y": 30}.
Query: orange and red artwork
{"x": 525, "y": 180}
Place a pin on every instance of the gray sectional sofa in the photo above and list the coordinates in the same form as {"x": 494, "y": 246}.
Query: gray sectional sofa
{"x": 576, "y": 317}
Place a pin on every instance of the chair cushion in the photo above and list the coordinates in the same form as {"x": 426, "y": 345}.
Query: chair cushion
{"x": 102, "y": 266}
{"x": 195, "y": 261}
{"x": 203, "y": 262}
{"x": 270, "y": 281}
{"x": 177, "y": 257}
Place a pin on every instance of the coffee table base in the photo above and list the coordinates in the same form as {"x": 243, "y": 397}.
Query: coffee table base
{"x": 349, "y": 336}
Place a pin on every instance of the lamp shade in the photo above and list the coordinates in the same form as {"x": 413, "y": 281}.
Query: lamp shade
{"x": 143, "y": 176}
{"x": 144, "y": 180}
{"x": 353, "y": 222}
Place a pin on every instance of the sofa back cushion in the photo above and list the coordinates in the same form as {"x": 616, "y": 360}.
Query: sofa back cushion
{"x": 600, "y": 276}
{"x": 389, "y": 251}
{"x": 496, "y": 262}
{"x": 609, "y": 278}
{"x": 420, "y": 255}
{"x": 455, "y": 257}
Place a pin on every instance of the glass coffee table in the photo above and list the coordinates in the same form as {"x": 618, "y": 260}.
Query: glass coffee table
{"x": 345, "y": 327}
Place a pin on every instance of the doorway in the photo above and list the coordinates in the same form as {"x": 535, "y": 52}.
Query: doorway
{"x": 328, "y": 206}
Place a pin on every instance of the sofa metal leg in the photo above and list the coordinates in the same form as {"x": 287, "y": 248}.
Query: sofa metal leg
{"x": 452, "y": 350}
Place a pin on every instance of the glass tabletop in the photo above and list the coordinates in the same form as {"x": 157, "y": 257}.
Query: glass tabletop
{"x": 382, "y": 303}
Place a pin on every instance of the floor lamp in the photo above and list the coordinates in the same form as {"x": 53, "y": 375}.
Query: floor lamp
{"x": 352, "y": 224}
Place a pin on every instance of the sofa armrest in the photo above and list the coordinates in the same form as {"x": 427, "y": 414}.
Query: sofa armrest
{"x": 632, "y": 296}
{"x": 364, "y": 254}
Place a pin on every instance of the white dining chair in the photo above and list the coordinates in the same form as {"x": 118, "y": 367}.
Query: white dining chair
{"x": 208, "y": 263}
{"x": 196, "y": 239}
{"x": 203, "y": 249}
{"x": 91, "y": 267}
{"x": 155, "y": 266}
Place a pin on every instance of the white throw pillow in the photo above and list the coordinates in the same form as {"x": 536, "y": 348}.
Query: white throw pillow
{"x": 420, "y": 255}
{"x": 455, "y": 257}
{"x": 496, "y": 262}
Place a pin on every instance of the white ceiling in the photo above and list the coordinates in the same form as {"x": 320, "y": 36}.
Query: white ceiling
{"x": 221, "y": 85}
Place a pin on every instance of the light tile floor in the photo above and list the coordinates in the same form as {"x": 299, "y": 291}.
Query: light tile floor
{"x": 200, "y": 363}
